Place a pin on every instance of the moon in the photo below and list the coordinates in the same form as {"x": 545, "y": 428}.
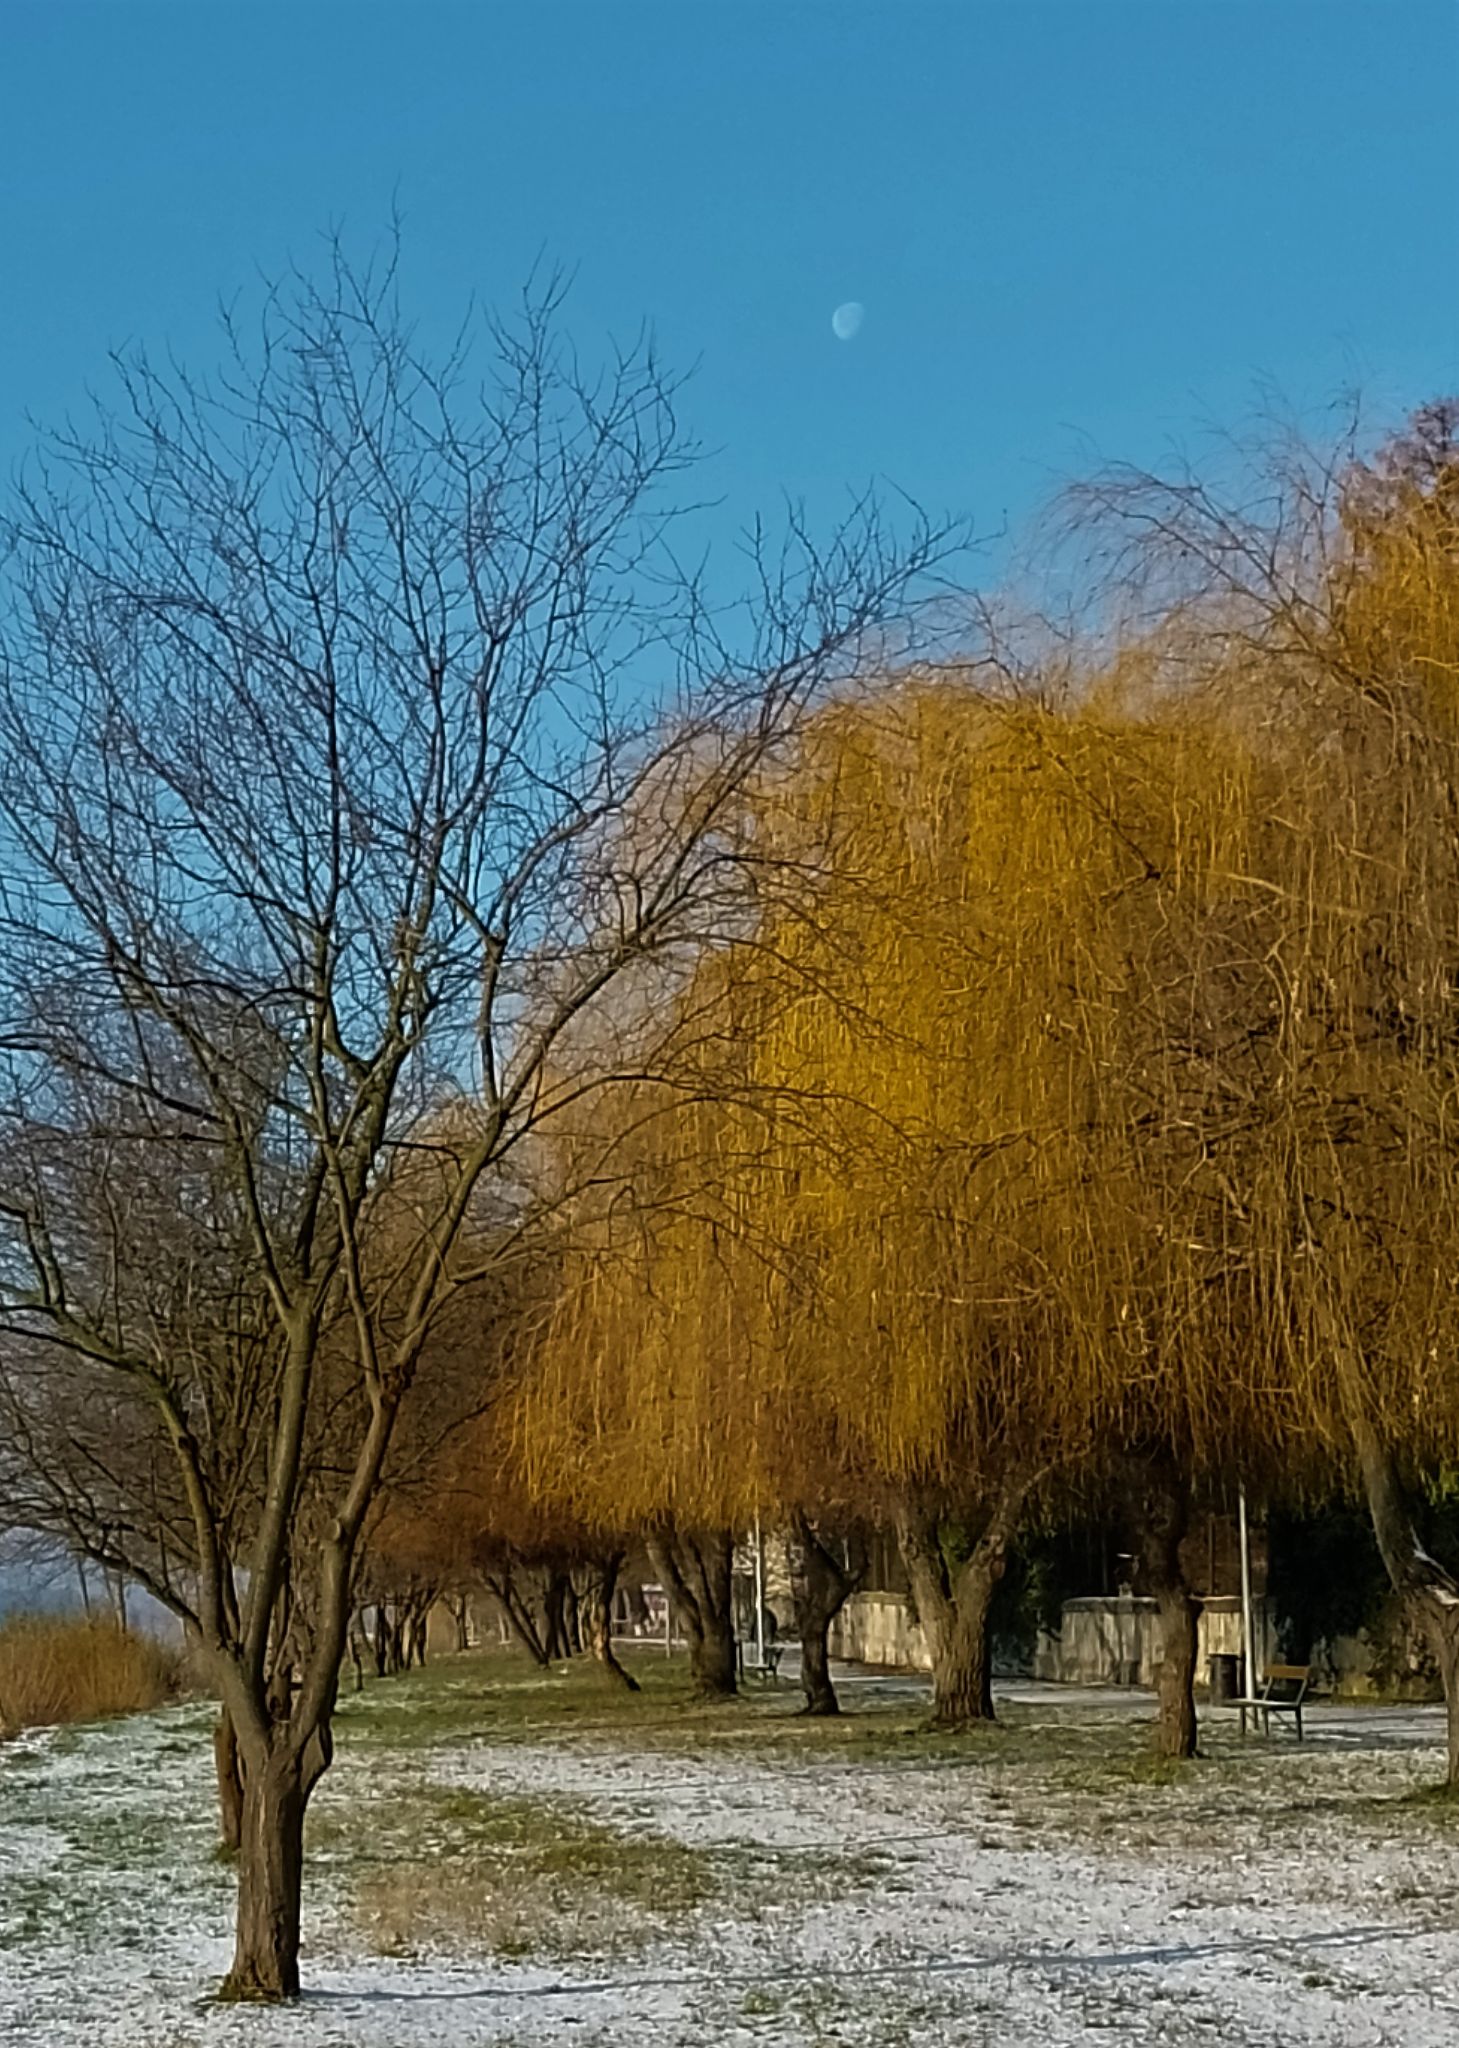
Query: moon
{"x": 846, "y": 320}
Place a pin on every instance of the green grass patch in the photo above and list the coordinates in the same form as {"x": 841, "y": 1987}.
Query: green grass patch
{"x": 499, "y": 1696}
{"x": 459, "y": 1870}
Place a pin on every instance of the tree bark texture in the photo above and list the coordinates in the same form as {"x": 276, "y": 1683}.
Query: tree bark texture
{"x": 1162, "y": 1496}
{"x": 556, "y": 1633}
{"x": 954, "y": 1596}
{"x": 821, "y": 1585}
{"x": 595, "y": 1613}
{"x": 270, "y": 1873}
{"x": 228, "y": 1762}
{"x": 696, "y": 1569}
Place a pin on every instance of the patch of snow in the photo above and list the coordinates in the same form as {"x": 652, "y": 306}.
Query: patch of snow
{"x": 1274, "y": 1902}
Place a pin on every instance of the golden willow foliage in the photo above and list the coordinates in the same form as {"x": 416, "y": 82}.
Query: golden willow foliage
{"x": 1365, "y": 1109}
{"x": 1047, "y": 912}
{"x": 1098, "y": 1092}
{"x": 916, "y": 1224}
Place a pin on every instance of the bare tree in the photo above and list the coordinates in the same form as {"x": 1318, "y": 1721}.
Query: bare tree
{"x": 360, "y": 733}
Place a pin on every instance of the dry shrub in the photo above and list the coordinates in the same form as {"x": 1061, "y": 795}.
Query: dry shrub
{"x": 54, "y": 1670}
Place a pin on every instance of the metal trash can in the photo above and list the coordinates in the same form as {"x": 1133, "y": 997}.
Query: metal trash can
{"x": 1225, "y": 1677}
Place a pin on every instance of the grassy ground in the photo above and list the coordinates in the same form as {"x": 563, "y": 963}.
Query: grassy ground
{"x": 430, "y": 1866}
{"x": 1060, "y": 1773}
{"x": 501, "y": 1854}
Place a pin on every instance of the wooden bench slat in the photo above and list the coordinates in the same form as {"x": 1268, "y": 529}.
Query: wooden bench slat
{"x": 1266, "y": 1702}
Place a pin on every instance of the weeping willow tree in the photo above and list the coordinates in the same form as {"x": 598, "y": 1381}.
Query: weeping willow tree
{"x": 1330, "y": 622}
{"x": 1048, "y": 940}
{"x": 1088, "y": 1115}
{"x": 1377, "y": 1284}
{"x": 625, "y": 1407}
{"x": 926, "y": 1234}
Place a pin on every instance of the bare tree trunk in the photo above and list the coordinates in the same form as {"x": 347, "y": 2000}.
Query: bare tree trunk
{"x": 417, "y": 1630}
{"x": 1162, "y": 1495}
{"x": 356, "y": 1656}
{"x": 503, "y": 1587}
{"x": 228, "y": 1763}
{"x": 954, "y": 1598}
{"x": 270, "y": 1876}
{"x": 595, "y": 1610}
{"x": 461, "y": 1617}
{"x": 821, "y": 1585}
{"x": 1448, "y": 1661}
{"x": 555, "y": 1638}
{"x": 697, "y": 1572}
{"x": 962, "y": 1663}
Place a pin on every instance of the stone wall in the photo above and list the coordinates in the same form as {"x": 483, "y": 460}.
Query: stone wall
{"x": 1117, "y": 1641}
{"x": 1100, "y": 1642}
{"x": 877, "y": 1628}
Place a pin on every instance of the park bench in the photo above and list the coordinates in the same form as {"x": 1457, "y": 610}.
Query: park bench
{"x": 1283, "y": 1689}
{"x": 764, "y": 1666}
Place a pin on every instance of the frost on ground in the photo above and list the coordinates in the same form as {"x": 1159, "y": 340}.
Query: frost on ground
{"x": 650, "y": 1877}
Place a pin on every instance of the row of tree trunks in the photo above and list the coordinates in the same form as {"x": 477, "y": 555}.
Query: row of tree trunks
{"x": 398, "y": 1639}
{"x": 540, "y": 1608}
{"x": 696, "y": 1569}
{"x": 556, "y": 1614}
{"x": 821, "y": 1584}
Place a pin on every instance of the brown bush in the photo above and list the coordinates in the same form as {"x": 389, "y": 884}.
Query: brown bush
{"x": 54, "y": 1669}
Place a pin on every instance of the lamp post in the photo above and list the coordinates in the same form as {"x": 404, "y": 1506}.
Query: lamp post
{"x": 1248, "y": 1627}
{"x": 759, "y": 1594}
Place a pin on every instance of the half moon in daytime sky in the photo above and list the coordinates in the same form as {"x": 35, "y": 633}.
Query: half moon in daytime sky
{"x": 846, "y": 320}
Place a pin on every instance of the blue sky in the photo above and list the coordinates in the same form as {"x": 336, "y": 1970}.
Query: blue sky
{"x": 1079, "y": 230}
